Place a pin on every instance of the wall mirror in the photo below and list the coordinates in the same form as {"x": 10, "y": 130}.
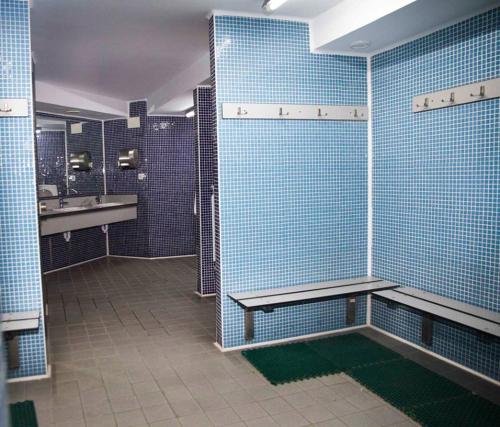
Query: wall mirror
{"x": 58, "y": 140}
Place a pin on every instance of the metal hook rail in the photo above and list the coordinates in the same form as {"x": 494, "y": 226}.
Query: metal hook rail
{"x": 241, "y": 111}
{"x": 459, "y": 95}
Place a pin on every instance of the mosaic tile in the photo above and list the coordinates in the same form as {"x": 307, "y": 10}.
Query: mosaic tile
{"x": 436, "y": 183}
{"x": 204, "y": 182}
{"x": 20, "y": 275}
{"x": 291, "y": 195}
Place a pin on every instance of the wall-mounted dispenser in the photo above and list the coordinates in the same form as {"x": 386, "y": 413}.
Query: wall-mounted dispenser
{"x": 80, "y": 161}
{"x": 128, "y": 158}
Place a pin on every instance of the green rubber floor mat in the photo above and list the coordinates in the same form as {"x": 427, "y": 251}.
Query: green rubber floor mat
{"x": 353, "y": 350}
{"x": 465, "y": 411}
{"x": 291, "y": 362}
{"x": 423, "y": 395}
{"x": 405, "y": 384}
{"x": 22, "y": 414}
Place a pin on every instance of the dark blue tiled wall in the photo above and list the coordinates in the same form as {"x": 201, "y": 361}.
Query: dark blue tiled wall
{"x": 130, "y": 238}
{"x": 436, "y": 183}
{"x": 86, "y": 182}
{"x": 165, "y": 223}
{"x": 20, "y": 274}
{"x": 51, "y": 159}
{"x": 171, "y": 185}
{"x": 204, "y": 181}
{"x": 86, "y": 244}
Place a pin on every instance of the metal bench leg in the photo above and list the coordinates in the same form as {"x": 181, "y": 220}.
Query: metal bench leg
{"x": 12, "y": 341}
{"x": 351, "y": 310}
{"x": 427, "y": 328}
{"x": 249, "y": 335}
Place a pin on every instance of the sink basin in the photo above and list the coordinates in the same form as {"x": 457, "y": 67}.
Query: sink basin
{"x": 69, "y": 209}
{"x": 107, "y": 205}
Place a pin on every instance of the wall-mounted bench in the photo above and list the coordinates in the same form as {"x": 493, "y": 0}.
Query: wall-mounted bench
{"x": 11, "y": 325}
{"x": 431, "y": 305}
{"x": 268, "y": 300}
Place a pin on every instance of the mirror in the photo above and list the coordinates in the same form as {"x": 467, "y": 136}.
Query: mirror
{"x": 62, "y": 143}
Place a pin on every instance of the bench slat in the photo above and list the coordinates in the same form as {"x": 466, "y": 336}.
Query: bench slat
{"x": 305, "y": 296}
{"x": 441, "y": 311}
{"x": 451, "y": 303}
{"x": 302, "y": 288}
{"x": 19, "y": 321}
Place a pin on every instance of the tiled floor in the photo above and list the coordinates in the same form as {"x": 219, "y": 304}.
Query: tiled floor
{"x": 132, "y": 346}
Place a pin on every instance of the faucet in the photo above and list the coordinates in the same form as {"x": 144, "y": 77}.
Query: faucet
{"x": 62, "y": 202}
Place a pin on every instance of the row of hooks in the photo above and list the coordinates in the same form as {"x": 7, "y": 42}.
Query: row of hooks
{"x": 294, "y": 112}
{"x": 465, "y": 94}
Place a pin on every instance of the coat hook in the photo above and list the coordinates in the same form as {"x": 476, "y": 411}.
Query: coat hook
{"x": 241, "y": 112}
{"x": 6, "y": 109}
{"x": 281, "y": 112}
{"x": 426, "y": 102}
{"x": 482, "y": 92}
{"x": 320, "y": 114}
{"x": 451, "y": 99}
{"x": 356, "y": 113}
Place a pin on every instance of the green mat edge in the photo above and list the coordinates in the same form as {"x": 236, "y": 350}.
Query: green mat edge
{"x": 409, "y": 411}
{"x": 23, "y": 414}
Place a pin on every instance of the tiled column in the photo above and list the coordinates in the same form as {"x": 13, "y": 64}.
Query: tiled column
{"x": 204, "y": 182}
{"x": 20, "y": 275}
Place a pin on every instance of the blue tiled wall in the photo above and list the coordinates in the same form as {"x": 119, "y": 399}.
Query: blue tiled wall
{"x": 292, "y": 195}
{"x": 3, "y": 388}
{"x": 436, "y": 183}
{"x": 165, "y": 223}
{"x": 20, "y": 275}
{"x": 204, "y": 181}
{"x": 51, "y": 156}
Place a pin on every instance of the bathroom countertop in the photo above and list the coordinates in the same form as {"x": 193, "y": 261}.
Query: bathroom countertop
{"x": 52, "y": 214}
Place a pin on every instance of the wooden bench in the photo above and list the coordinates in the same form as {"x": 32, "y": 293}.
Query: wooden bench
{"x": 268, "y": 300}
{"x": 433, "y": 305}
{"x": 13, "y": 323}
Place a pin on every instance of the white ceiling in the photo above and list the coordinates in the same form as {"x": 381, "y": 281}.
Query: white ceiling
{"x": 127, "y": 49}
{"x": 107, "y": 52}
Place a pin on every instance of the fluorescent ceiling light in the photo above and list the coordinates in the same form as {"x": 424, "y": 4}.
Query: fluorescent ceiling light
{"x": 272, "y": 5}
{"x": 190, "y": 113}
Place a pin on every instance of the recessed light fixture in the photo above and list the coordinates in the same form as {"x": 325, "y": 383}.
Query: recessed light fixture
{"x": 72, "y": 111}
{"x": 271, "y": 5}
{"x": 190, "y": 113}
{"x": 360, "y": 44}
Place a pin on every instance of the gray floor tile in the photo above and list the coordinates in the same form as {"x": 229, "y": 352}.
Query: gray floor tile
{"x": 158, "y": 413}
{"x": 140, "y": 341}
{"x": 198, "y": 420}
{"x": 290, "y": 419}
{"x": 131, "y": 419}
{"x": 249, "y": 411}
{"x": 316, "y": 413}
{"x": 262, "y": 422}
{"x": 276, "y": 405}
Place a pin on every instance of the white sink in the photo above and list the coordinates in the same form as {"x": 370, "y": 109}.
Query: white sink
{"x": 107, "y": 205}
{"x": 69, "y": 209}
